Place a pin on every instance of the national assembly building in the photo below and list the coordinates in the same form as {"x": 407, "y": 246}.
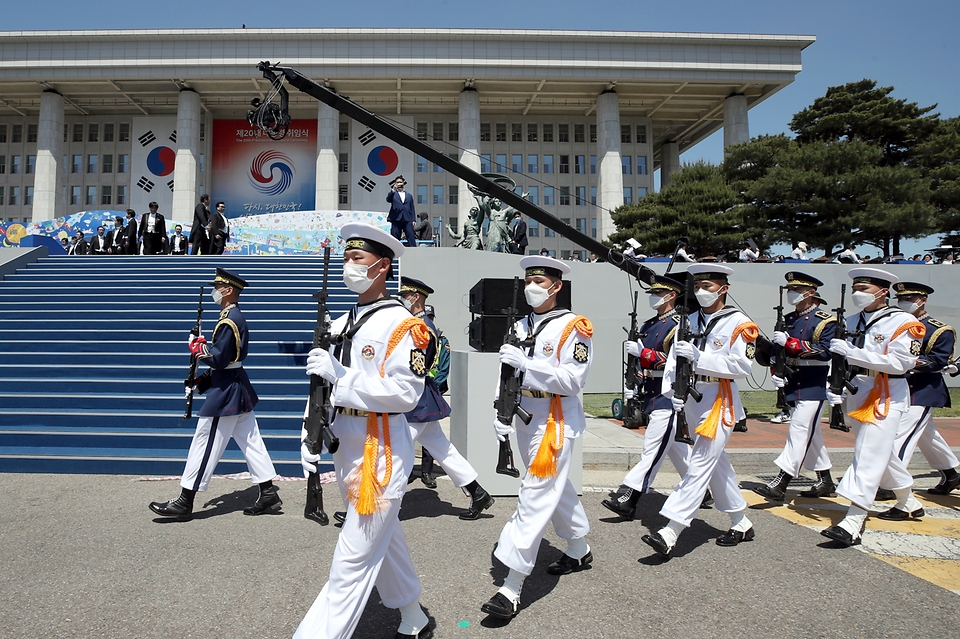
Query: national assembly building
{"x": 580, "y": 120}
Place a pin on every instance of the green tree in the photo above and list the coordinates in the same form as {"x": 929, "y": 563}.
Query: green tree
{"x": 938, "y": 160}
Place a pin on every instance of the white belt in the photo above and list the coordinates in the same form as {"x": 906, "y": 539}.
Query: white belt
{"x": 234, "y": 365}
{"x": 806, "y": 362}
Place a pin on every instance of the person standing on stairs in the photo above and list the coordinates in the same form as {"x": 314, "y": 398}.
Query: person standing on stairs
{"x": 227, "y": 411}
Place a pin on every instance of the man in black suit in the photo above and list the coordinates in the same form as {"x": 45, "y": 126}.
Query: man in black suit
{"x": 152, "y": 229}
{"x": 198, "y": 232}
{"x": 130, "y": 233}
{"x": 178, "y": 243}
{"x": 402, "y": 211}
{"x": 79, "y": 245}
{"x": 217, "y": 229}
{"x": 115, "y": 237}
{"x": 519, "y": 234}
{"x": 98, "y": 245}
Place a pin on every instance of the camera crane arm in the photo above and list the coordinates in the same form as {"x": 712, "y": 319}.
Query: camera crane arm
{"x": 267, "y": 111}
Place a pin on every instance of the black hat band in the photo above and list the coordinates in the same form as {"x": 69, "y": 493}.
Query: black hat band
{"x": 369, "y": 246}
{"x": 543, "y": 270}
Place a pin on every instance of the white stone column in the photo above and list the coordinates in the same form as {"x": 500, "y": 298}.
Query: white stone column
{"x": 736, "y": 127}
{"x": 669, "y": 162}
{"x": 610, "y": 185}
{"x": 185, "y": 196}
{"x": 47, "y": 203}
{"x": 470, "y": 153}
{"x": 328, "y": 145}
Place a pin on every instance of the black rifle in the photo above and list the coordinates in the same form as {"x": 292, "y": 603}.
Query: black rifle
{"x": 633, "y": 415}
{"x": 191, "y": 380}
{"x": 684, "y": 384}
{"x": 317, "y": 421}
{"x": 507, "y": 403}
{"x": 840, "y": 369}
{"x": 780, "y": 368}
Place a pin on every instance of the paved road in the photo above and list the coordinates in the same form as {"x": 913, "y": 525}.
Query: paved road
{"x": 83, "y": 557}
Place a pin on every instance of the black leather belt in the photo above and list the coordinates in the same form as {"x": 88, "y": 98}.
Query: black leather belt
{"x": 535, "y": 394}
{"x": 354, "y": 412}
{"x": 868, "y": 372}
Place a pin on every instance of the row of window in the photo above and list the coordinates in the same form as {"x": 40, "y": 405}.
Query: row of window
{"x": 95, "y": 132}
{"x": 531, "y": 132}
{"x": 534, "y": 165}
{"x": 550, "y": 195}
{"x": 76, "y": 165}
{"x": 86, "y": 196}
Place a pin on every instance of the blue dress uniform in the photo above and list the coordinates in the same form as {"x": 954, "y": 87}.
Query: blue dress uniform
{"x": 227, "y": 412}
{"x": 807, "y": 353}
{"x": 659, "y": 439}
{"x": 928, "y": 390}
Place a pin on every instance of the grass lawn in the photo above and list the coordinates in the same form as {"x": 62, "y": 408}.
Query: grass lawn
{"x": 758, "y": 404}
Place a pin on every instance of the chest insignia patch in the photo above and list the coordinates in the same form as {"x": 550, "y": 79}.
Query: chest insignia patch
{"x": 368, "y": 352}
{"x": 879, "y": 338}
{"x": 751, "y": 350}
{"x": 547, "y": 349}
{"x": 581, "y": 352}
{"x": 718, "y": 343}
{"x": 418, "y": 362}
{"x": 914, "y": 347}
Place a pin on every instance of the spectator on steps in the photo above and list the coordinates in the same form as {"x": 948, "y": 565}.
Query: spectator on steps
{"x": 98, "y": 245}
{"x": 198, "y": 232}
{"x": 130, "y": 234}
{"x": 218, "y": 229}
{"x": 115, "y": 237}
{"x": 153, "y": 228}
{"x": 178, "y": 242}
{"x": 79, "y": 245}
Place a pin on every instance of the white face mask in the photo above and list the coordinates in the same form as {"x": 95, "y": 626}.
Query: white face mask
{"x": 862, "y": 299}
{"x": 407, "y": 303}
{"x": 656, "y": 301}
{"x": 536, "y": 295}
{"x": 216, "y": 295}
{"x": 795, "y": 297}
{"x": 910, "y": 307}
{"x": 355, "y": 277}
{"x": 707, "y": 299}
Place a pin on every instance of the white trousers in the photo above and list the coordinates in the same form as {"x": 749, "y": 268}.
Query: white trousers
{"x": 209, "y": 442}
{"x": 917, "y": 430}
{"x": 541, "y": 501}
{"x": 431, "y": 437}
{"x": 658, "y": 444}
{"x": 874, "y": 462}
{"x": 371, "y": 551}
{"x": 804, "y": 447}
{"x": 708, "y": 466}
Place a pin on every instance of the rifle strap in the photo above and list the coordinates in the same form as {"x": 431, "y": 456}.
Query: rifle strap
{"x": 549, "y": 317}
{"x": 342, "y": 350}
{"x": 701, "y": 341}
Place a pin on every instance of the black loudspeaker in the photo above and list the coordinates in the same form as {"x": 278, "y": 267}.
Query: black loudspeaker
{"x": 487, "y": 332}
{"x": 492, "y": 296}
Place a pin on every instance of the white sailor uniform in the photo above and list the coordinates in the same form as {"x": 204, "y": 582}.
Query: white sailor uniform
{"x": 371, "y": 549}
{"x": 553, "y": 369}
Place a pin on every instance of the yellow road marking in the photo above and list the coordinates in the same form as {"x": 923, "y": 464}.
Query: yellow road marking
{"x": 941, "y": 572}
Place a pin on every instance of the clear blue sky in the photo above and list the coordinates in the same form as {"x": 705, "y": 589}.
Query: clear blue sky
{"x": 913, "y": 46}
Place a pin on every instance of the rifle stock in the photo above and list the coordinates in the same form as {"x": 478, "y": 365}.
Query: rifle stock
{"x": 507, "y": 403}
{"x": 633, "y": 415}
{"x": 684, "y": 385}
{"x": 840, "y": 369}
{"x": 191, "y": 380}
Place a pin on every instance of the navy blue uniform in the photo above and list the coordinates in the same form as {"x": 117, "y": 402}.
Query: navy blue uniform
{"x": 432, "y": 407}
{"x": 808, "y": 353}
{"x": 659, "y": 332}
{"x": 230, "y": 391}
{"x": 927, "y": 387}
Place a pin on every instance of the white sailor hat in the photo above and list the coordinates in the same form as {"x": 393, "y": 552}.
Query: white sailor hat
{"x": 875, "y": 276}
{"x": 543, "y": 265}
{"x": 709, "y": 271}
{"x": 370, "y": 239}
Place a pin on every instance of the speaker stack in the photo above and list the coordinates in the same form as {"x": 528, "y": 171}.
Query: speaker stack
{"x": 490, "y": 300}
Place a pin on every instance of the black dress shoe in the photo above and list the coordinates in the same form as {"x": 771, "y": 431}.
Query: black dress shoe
{"x": 179, "y": 508}
{"x": 268, "y": 500}
{"x": 425, "y": 633}
{"x": 733, "y": 537}
{"x": 885, "y": 495}
{"x": 478, "y": 503}
{"x": 428, "y": 480}
{"x": 946, "y": 486}
{"x": 566, "y": 564}
{"x": 820, "y": 489}
{"x": 840, "y": 535}
{"x": 707, "y": 500}
{"x": 340, "y": 516}
{"x": 622, "y": 508}
{"x": 772, "y": 493}
{"x": 895, "y": 514}
{"x": 501, "y": 607}
{"x": 656, "y": 542}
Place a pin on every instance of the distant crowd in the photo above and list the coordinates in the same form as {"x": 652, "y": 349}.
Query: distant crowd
{"x": 750, "y": 253}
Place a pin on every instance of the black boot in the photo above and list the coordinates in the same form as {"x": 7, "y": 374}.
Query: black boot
{"x": 625, "y": 504}
{"x": 823, "y": 488}
{"x": 775, "y": 490}
{"x": 480, "y": 500}
{"x": 950, "y": 479}
{"x": 426, "y": 468}
{"x": 268, "y": 500}
{"x": 707, "y": 500}
{"x": 181, "y": 507}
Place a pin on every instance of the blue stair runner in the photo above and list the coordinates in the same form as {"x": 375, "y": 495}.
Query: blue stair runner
{"x": 95, "y": 353}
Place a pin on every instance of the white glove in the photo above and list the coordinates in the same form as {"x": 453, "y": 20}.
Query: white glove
{"x": 678, "y": 404}
{"x": 840, "y": 347}
{"x": 321, "y": 363}
{"x": 503, "y": 430}
{"x": 193, "y": 337}
{"x": 308, "y": 460}
{"x": 687, "y": 351}
{"x": 628, "y": 394}
{"x": 633, "y": 348}
{"x": 778, "y": 382}
{"x": 513, "y": 356}
{"x": 949, "y": 369}
{"x": 835, "y": 400}
{"x": 780, "y": 338}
